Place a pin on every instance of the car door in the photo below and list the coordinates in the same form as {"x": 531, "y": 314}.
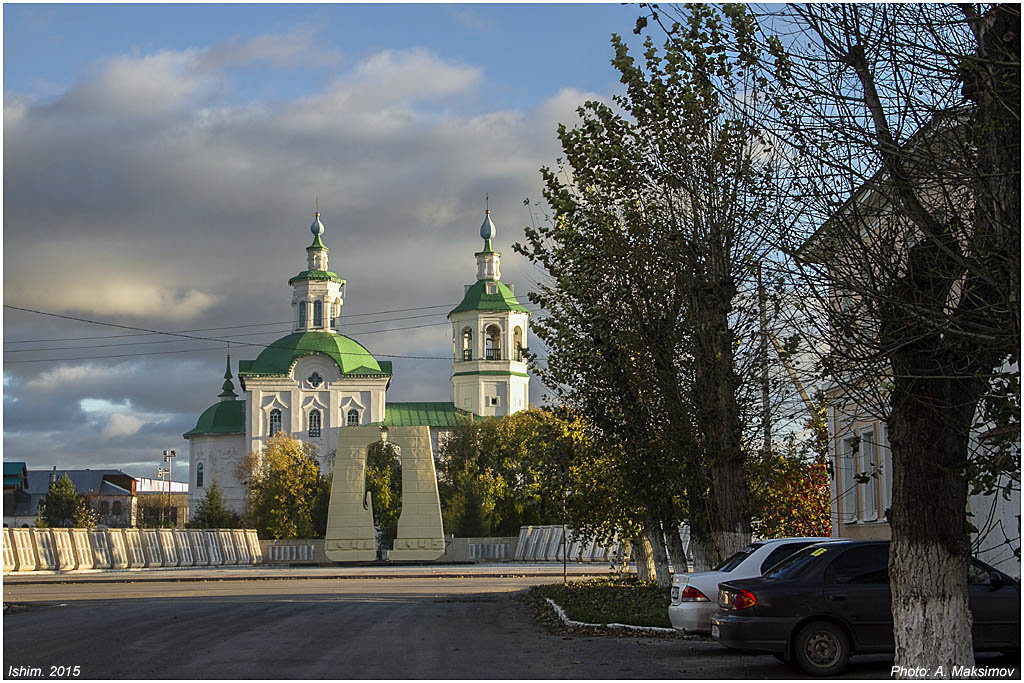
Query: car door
{"x": 995, "y": 608}
{"x": 857, "y": 591}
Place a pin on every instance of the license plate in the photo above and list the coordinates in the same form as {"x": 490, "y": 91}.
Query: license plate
{"x": 714, "y": 631}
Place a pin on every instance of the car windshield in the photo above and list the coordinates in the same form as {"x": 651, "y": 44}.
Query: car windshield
{"x": 796, "y": 563}
{"x": 737, "y": 558}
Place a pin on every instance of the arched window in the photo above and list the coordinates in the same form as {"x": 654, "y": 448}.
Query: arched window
{"x": 302, "y": 314}
{"x": 117, "y": 508}
{"x": 275, "y": 421}
{"x": 314, "y": 423}
{"x": 492, "y": 349}
{"x": 352, "y": 420}
{"x": 467, "y": 344}
{"x": 199, "y": 475}
{"x": 104, "y": 507}
{"x": 318, "y": 314}
{"x": 517, "y": 343}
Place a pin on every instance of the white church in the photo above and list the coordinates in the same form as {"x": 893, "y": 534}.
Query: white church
{"x": 316, "y": 381}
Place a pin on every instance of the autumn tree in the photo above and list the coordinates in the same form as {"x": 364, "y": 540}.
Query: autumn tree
{"x": 384, "y": 482}
{"x": 899, "y": 126}
{"x": 284, "y": 489}
{"x": 62, "y": 506}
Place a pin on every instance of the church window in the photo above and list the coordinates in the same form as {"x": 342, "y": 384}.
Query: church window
{"x": 517, "y": 343}
{"x": 467, "y": 344}
{"x": 199, "y": 475}
{"x": 314, "y": 423}
{"x": 315, "y": 380}
{"x": 352, "y": 420}
{"x": 302, "y": 314}
{"x": 275, "y": 421}
{"x": 492, "y": 349}
{"x": 117, "y": 509}
{"x": 318, "y": 314}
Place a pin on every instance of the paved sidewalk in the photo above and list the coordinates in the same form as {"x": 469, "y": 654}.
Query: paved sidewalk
{"x": 258, "y": 572}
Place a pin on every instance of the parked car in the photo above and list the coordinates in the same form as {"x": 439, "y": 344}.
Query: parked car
{"x": 695, "y": 596}
{"x": 828, "y": 601}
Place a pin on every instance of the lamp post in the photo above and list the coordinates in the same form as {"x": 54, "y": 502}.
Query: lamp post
{"x": 169, "y": 457}
{"x": 162, "y": 472}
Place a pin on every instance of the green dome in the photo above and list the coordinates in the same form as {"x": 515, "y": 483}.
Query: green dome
{"x": 224, "y": 417}
{"x": 279, "y": 358}
{"x": 477, "y": 299}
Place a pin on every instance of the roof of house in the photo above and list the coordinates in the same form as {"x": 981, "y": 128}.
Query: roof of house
{"x": 102, "y": 482}
{"x": 424, "y": 414}
{"x": 477, "y": 298}
{"x": 350, "y": 356}
{"x": 15, "y": 474}
{"x": 223, "y": 417}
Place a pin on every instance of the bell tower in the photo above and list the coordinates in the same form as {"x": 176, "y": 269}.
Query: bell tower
{"x": 318, "y": 294}
{"x": 489, "y": 338}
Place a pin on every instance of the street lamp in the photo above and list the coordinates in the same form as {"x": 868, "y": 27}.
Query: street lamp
{"x": 169, "y": 457}
{"x": 162, "y": 472}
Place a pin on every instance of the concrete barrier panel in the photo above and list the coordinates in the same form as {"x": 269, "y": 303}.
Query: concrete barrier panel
{"x": 554, "y": 542}
{"x": 213, "y": 547}
{"x": 24, "y": 553}
{"x": 241, "y": 546}
{"x": 538, "y": 542}
{"x": 8, "y": 552}
{"x": 200, "y": 554}
{"x": 254, "y": 546}
{"x": 42, "y": 541}
{"x": 168, "y": 551}
{"x": 183, "y": 547}
{"x": 227, "y": 546}
{"x": 524, "y": 537}
{"x": 98, "y": 543}
{"x": 83, "y": 553}
{"x": 64, "y": 549}
{"x": 135, "y": 544}
{"x": 118, "y": 550}
{"x": 151, "y": 548}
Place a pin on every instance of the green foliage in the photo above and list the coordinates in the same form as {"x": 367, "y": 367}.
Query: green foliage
{"x": 384, "y": 482}
{"x": 213, "y": 512}
{"x": 606, "y": 601}
{"x": 285, "y": 489}
{"x": 62, "y": 506}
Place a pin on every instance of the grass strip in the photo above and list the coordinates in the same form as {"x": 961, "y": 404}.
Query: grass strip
{"x": 611, "y": 601}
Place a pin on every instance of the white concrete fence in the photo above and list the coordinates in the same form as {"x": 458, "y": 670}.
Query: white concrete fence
{"x": 544, "y": 544}
{"x": 29, "y": 550}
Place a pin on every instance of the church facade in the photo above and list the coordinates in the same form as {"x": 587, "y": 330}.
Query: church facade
{"x": 315, "y": 381}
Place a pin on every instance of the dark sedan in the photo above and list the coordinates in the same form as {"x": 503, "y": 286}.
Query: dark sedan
{"x": 828, "y": 601}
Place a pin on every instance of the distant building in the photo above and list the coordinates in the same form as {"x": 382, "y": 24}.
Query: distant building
{"x": 109, "y": 493}
{"x": 316, "y": 381}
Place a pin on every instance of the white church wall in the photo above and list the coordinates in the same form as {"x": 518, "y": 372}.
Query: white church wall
{"x": 220, "y": 455}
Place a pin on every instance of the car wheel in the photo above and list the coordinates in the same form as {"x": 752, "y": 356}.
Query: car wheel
{"x": 822, "y": 649}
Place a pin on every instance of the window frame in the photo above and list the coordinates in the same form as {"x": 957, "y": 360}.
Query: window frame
{"x": 314, "y": 413}
{"x": 274, "y": 413}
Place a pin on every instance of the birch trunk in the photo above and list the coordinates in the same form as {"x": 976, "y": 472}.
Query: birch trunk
{"x": 676, "y": 553}
{"x": 657, "y": 539}
{"x": 644, "y": 558}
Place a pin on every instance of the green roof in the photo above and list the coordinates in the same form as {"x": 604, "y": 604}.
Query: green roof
{"x": 15, "y": 474}
{"x": 429, "y": 414}
{"x": 316, "y": 275}
{"x": 223, "y": 417}
{"x": 477, "y": 299}
{"x": 350, "y": 356}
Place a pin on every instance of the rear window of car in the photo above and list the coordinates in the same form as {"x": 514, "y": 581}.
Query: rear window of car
{"x": 782, "y": 552}
{"x": 864, "y": 564}
{"x": 735, "y": 560}
{"x": 797, "y": 563}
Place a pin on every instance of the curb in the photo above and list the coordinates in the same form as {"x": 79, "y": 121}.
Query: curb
{"x": 569, "y": 622}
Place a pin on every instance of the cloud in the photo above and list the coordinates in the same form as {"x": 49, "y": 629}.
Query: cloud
{"x": 303, "y": 46}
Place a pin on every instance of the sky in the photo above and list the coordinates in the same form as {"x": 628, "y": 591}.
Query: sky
{"x": 161, "y": 164}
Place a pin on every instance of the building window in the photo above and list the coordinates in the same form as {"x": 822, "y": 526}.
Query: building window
{"x": 867, "y": 465}
{"x": 275, "y": 421}
{"x": 104, "y": 507}
{"x": 318, "y": 314}
{"x": 494, "y": 400}
{"x": 314, "y": 423}
{"x": 492, "y": 350}
{"x": 315, "y": 380}
{"x": 467, "y": 344}
{"x": 352, "y": 420}
{"x": 117, "y": 509}
{"x": 199, "y": 475}
{"x": 302, "y": 314}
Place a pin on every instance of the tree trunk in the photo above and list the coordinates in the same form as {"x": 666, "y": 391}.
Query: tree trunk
{"x": 676, "y": 553}
{"x": 657, "y": 538}
{"x": 644, "y": 558}
{"x": 929, "y": 428}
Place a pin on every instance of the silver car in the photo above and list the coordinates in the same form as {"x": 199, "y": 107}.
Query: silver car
{"x": 695, "y": 596}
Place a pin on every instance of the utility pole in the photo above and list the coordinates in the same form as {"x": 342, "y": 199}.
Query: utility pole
{"x": 169, "y": 457}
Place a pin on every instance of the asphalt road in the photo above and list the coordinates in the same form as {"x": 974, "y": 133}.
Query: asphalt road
{"x": 403, "y": 627}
